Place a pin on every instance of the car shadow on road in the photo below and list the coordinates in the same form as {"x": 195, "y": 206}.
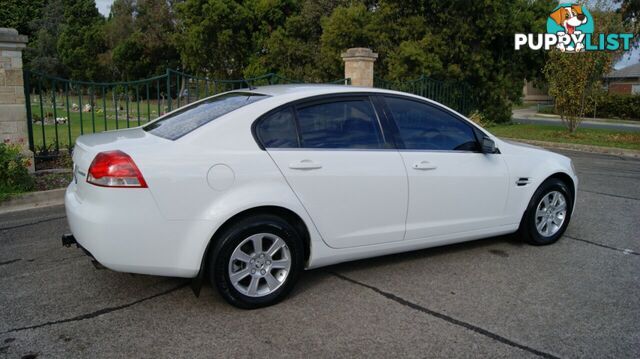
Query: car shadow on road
{"x": 310, "y": 278}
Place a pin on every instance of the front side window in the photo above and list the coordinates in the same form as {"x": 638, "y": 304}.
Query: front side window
{"x": 349, "y": 124}
{"x": 425, "y": 127}
{"x": 198, "y": 114}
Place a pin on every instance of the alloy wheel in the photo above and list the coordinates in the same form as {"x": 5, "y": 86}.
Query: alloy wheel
{"x": 551, "y": 213}
{"x": 259, "y": 265}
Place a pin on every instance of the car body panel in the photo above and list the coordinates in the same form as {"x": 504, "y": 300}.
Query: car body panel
{"x": 537, "y": 164}
{"x": 465, "y": 191}
{"x": 356, "y": 197}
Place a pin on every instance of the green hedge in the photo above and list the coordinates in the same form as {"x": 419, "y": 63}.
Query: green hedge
{"x": 14, "y": 171}
{"x": 626, "y": 107}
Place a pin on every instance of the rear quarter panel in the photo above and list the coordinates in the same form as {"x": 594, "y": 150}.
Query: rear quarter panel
{"x": 178, "y": 179}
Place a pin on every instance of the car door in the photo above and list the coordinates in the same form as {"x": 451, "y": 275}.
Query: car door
{"x": 334, "y": 156}
{"x": 453, "y": 187}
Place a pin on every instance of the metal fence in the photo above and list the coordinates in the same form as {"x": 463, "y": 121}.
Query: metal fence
{"x": 59, "y": 110}
{"x": 456, "y": 95}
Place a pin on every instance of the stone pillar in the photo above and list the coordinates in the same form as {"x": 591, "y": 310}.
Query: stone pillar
{"x": 358, "y": 66}
{"x": 13, "y": 114}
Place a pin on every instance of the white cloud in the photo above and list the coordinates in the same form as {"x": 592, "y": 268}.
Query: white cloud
{"x": 104, "y": 6}
{"x": 631, "y": 57}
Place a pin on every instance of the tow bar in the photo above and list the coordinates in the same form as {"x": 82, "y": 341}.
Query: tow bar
{"x": 68, "y": 240}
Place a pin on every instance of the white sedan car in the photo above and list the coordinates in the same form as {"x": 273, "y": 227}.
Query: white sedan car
{"x": 250, "y": 187}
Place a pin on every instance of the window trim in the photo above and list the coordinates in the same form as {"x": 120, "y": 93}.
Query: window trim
{"x": 320, "y": 99}
{"x": 393, "y": 128}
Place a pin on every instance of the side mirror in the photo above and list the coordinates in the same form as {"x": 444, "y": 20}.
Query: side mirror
{"x": 488, "y": 145}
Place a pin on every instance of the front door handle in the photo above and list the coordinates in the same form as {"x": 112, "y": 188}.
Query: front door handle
{"x": 304, "y": 165}
{"x": 424, "y": 166}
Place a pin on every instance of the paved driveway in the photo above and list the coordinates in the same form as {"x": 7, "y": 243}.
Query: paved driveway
{"x": 493, "y": 297}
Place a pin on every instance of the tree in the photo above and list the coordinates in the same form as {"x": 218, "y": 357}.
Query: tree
{"x": 630, "y": 11}
{"x": 464, "y": 41}
{"x": 140, "y": 39}
{"x": 225, "y": 38}
{"x": 290, "y": 45}
{"x": 41, "y": 54}
{"x": 575, "y": 79}
{"x": 19, "y": 13}
{"x": 81, "y": 40}
{"x": 215, "y": 37}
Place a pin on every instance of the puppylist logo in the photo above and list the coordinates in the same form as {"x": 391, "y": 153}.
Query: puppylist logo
{"x": 570, "y": 28}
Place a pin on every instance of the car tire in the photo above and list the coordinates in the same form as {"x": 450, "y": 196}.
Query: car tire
{"x": 544, "y": 224}
{"x": 266, "y": 278}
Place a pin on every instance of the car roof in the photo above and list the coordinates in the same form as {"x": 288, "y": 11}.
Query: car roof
{"x": 306, "y": 90}
{"x": 292, "y": 92}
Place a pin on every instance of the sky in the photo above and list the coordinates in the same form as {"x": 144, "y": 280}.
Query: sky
{"x": 633, "y": 57}
{"x": 630, "y": 58}
{"x": 104, "y": 6}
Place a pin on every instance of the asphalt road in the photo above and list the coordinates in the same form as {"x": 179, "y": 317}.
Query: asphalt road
{"x": 489, "y": 298}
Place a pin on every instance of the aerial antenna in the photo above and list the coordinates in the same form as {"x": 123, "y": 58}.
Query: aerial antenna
{"x": 248, "y": 84}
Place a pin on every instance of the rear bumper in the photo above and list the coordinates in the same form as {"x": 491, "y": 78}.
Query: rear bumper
{"x": 124, "y": 231}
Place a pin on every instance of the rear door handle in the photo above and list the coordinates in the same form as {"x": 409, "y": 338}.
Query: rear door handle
{"x": 304, "y": 165}
{"x": 424, "y": 166}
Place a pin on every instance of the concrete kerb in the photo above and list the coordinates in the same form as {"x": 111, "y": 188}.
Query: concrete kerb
{"x": 33, "y": 200}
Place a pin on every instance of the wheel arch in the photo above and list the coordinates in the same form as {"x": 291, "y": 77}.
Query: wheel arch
{"x": 560, "y": 175}
{"x": 564, "y": 177}
{"x": 287, "y": 214}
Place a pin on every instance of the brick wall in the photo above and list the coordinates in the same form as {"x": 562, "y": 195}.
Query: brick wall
{"x": 620, "y": 88}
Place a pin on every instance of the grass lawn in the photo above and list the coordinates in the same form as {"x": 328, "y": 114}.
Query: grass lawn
{"x": 139, "y": 113}
{"x": 583, "y": 136}
{"x": 79, "y": 123}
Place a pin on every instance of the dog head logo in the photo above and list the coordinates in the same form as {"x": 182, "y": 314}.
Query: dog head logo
{"x": 569, "y": 17}
{"x": 570, "y": 20}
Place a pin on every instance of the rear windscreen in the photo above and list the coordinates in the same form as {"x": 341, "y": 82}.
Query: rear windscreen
{"x": 193, "y": 116}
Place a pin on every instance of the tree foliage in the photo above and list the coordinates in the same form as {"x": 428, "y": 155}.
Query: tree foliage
{"x": 140, "y": 38}
{"x": 81, "y": 39}
{"x": 461, "y": 40}
{"x": 575, "y": 79}
{"x": 215, "y": 36}
{"x": 290, "y": 44}
{"x": 42, "y": 53}
{"x": 574, "y": 82}
{"x": 19, "y": 13}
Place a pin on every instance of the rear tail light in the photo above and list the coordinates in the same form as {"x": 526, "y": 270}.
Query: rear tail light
{"x": 115, "y": 169}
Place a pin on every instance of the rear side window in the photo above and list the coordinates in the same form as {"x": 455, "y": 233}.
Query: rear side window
{"x": 339, "y": 124}
{"x": 194, "y": 116}
{"x": 278, "y": 130}
{"x": 425, "y": 127}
